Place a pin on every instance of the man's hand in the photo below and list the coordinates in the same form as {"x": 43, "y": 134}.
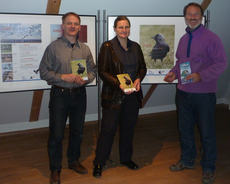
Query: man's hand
{"x": 71, "y": 78}
{"x": 170, "y": 77}
{"x": 194, "y": 76}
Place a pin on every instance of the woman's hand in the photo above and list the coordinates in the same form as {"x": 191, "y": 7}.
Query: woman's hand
{"x": 137, "y": 84}
{"x": 127, "y": 93}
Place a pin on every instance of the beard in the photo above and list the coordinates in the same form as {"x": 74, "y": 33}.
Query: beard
{"x": 191, "y": 25}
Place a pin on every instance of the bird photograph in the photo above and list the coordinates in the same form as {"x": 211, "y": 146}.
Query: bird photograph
{"x": 127, "y": 81}
{"x": 81, "y": 69}
{"x": 160, "y": 49}
{"x": 157, "y": 44}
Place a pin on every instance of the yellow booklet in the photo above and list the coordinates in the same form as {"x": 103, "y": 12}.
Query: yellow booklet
{"x": 79, "y": 67}
{"x": 126, "y": 82}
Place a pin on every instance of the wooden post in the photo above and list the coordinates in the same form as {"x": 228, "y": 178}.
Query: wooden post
{"x": 36, "y": 105}
{"x": 148, "y": 94}
{"x": 53, "y": 7}
{"x": 205, "y": 4}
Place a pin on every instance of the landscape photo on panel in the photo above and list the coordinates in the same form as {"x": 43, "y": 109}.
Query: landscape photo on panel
{"x": 20, "y": 51}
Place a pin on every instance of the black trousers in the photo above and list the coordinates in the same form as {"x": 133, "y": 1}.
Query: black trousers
{"x": 126, "y": 117}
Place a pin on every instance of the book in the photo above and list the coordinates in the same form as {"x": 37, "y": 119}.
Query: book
{"x": 126, "y": 82}
{"x": 185, "y": 70}
{"x": 79, "y": 67}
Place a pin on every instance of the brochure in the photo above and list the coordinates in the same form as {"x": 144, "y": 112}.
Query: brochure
{"x": 185, "y": 70}
{"x": 126, "y": 82}
{"x": 79, "y": 67}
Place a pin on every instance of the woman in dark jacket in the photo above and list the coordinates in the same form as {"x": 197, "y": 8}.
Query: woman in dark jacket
{"x": 118, "y": 56}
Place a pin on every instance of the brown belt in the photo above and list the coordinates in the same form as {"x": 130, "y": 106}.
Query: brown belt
{"x": 67, "y": 89}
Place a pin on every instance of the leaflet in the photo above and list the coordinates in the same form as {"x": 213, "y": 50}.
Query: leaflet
{"x": 185, "y": 70}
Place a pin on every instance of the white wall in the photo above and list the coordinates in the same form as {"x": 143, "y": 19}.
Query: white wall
{"x": 15, "y": 107}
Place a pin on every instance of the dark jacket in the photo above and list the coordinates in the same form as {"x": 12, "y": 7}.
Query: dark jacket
{"x": 109, "y": 65}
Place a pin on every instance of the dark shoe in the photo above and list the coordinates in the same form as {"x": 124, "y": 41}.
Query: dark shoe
{"x": 130, "y": 164}
{"x": 76, "y": 166}
{"x": 179, "y": 166}
{"x": 97, "y": 171}
{"x": 55, "y": 177}
{"x": 207, "y": 178}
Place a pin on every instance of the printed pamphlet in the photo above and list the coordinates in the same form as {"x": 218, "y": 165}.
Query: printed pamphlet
{"x": 126, "y": 82}
{"x": 185, "y": 70}
{"x": 79, "y": 67}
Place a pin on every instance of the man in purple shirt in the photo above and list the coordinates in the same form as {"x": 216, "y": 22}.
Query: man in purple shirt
{"x": 201, "y": 59}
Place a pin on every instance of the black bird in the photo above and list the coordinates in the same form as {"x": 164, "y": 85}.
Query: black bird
{"x": 36, "y": 71}
{"x": 127, "y": 81}
{"x": 81, "y": 68}
{"x": 160, "y": 49}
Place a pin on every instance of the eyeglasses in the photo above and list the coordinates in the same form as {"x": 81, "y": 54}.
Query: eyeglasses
{"x": 121, "y": 28}
{"x": 193, "y": 14}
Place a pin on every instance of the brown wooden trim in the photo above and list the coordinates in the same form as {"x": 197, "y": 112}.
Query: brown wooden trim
{"x": 53, "y": 6}
{"x": 148, "y": 94}
{"x": 205, "y": 4}
{"x": 36, "y": 105}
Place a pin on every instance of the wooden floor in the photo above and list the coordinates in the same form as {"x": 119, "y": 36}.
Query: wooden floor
{"x": 24, "y": 160}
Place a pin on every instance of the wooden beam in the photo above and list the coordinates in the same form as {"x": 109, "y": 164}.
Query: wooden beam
{"x": 148, "y": 94}
{"x": 53, "y": 7}
{"x": 36, "y": 105}
{"x": 205, "y": 4}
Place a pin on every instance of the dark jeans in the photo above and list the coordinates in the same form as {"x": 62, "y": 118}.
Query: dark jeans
{"x": 126, "y": 117}
{"x": 64, "y": 104}
{"x": 197, "y": 108}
